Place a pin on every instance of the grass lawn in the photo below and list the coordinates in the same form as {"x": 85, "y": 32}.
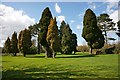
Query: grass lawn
{"x": 80, "y": 65}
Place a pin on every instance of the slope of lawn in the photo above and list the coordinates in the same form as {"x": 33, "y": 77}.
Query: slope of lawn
{"x": 80, "y": 65}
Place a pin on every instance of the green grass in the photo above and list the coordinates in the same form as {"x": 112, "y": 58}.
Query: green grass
{"x": 80, "y": 65}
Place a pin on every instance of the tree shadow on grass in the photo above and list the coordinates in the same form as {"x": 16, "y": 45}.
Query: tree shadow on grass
{"x": 34, "y": 56}
{"x": 76, "y": 56}
{"x": 42, "y": 73}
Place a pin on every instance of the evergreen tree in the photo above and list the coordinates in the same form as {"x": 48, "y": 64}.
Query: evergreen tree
{"x": 20, "y": 41}
{"x": 91, "y": 32}
{"x": 105, "y": 24}
{"x": 66, "y": 40}
{"x": 7, "y": 46}
{"x": 26, "y": 42}
{"x": 52, "y": 37}
{"x": 14, "y": 42}
{"x": 74, "y": 42}
{"x": 44, "y": 23}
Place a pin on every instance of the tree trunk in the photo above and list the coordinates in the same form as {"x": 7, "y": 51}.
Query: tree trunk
{"x": 48, "y": 52}
{"x": 38, "y": 47}
{"x": 90, "y": 50}
{"x": 24, "y": 54}
{"x": 14, "y": 54}
{"x": 106, "y": 41}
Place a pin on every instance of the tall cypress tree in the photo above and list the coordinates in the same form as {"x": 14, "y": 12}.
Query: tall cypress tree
{"x": 26, "y": 42}
{"x": 91, "y": 32}
{"x": 66, "y": 38}
{"x": 7, "y": 46}
{"x": 20, "y": 41}
{"x": 44, "y": 23}
{"x": 14, "y": 42}
{"x": 74, "y": 42}
{"x": 52, "y": 37}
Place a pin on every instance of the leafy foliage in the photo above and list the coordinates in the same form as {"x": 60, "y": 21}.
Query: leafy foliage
{"x": 105, "y": 24}
{"x": 91, "y": 33}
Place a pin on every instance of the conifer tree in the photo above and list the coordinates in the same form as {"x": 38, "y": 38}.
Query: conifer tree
{"x": 91, "y": 32}
{"x": 7, "y": 46}
{"x": 20, "y": 40}
{"x": 74, "y": 42}
{"x": 43, "y": 24}
{"x": 52, "y": 37}
{"x": 14, "y": 42}
{"x": 24, "y": 42}
{"x": 66, "y": 38}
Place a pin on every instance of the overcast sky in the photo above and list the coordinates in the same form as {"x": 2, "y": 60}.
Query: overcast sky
{"x": 16, "y": 16}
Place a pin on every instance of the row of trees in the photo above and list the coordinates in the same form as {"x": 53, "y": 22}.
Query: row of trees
{"x": 10, "y": 46}
{"x": 22, "y": 44}
{"x": 48, "y": 36}
{"x": 63, "y": 40}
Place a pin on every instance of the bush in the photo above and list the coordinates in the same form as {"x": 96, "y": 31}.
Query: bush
{"x": 83, "y": 48}
{"x": 111, "y": 48}
{"x": 33, "y": 50}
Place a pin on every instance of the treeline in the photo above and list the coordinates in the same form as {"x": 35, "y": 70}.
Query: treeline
{"x": 53, "y": 40}
{"x": 50, "y": 39}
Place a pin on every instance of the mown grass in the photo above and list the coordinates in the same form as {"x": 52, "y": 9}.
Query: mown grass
{"x": 80, "y": 65}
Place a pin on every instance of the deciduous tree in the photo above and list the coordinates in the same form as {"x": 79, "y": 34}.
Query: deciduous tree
{"x": 105, "y": 24}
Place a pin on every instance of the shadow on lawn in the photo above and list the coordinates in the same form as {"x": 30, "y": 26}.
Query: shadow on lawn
{"x": 64, "y": 56}
{"x": 42, "y": 73}
{"x": 47, "y": 74}
{"x": 33, "y": 56}
{"x": 76, "y": 56}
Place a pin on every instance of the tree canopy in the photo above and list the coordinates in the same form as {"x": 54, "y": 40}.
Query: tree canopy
{"x": 105, "y": 24}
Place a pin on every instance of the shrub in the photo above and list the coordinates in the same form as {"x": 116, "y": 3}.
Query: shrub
{"x": 33, "y": 50}
{"x": 83, "y": 48}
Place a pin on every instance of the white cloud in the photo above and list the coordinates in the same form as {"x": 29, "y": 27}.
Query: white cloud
{"x": 57, "y": 8}
{"x": 111, "y": 7}
{"x": 60, "y": 18}
{"x": 72, "y": 21}
{"x": 78, "y": 27}
{"x": 114, "y": 16}
{"x": 92, "y": 5}
{"x": 12, "y": 20}
{"x": 111, "y": 0}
